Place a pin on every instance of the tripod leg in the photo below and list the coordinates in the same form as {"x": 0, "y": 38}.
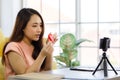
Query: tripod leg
{"x": 111, "y": 66}
{"x": 105, "y": 67}
{"x": 97, "y": 66}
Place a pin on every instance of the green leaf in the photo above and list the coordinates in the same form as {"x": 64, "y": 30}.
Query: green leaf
{"x": 60, "y": 58}
{"x": 81, "y": 41}
{"x": 76, "y": 63}
{"x": 73, "y": 54}
{"x": 67, "y": 41}
{"x": 65, "y": 55}
{"x": 66, "y": 51}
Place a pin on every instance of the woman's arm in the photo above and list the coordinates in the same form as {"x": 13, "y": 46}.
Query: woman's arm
{"x": 18, "y": 63}
{"x": 49, "y": 60}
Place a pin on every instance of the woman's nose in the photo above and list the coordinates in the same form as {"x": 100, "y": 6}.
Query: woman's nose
{"x": 39, "y": 29}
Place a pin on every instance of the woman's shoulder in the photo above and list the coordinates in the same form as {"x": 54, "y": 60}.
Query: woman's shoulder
{"x": 13, "y": 44}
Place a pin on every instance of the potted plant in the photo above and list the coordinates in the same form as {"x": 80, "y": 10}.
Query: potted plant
{"x": 68, "y": 44}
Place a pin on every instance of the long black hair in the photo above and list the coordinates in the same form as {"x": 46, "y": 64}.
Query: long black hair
{"x": 22, "y": 19}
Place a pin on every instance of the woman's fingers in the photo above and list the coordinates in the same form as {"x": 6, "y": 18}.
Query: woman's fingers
{"x": 55, "y": 37}
{"x": 48, "y": 48}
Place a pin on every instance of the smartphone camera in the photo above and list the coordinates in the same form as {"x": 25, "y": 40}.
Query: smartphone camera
{"x": 105, "y": 43}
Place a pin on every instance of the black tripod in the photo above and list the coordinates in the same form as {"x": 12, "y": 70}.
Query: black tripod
{"x": 105, "y": 59}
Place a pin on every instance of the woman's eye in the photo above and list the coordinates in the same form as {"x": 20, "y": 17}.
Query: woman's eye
{"x": 41, "y": 25}
{"x": 34, "y": 25}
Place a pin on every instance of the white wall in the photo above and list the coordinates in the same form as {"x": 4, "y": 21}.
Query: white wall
{"x": 8, "y": 12}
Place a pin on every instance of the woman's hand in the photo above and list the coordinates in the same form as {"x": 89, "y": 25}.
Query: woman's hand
{"x": 47, "y": 49}
{"x": 55, "y": 37}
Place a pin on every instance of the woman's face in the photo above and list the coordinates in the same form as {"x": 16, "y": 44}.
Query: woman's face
{"x": 33, "y": 29}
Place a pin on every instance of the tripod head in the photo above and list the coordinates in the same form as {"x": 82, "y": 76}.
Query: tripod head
{"x": 105, "y": 44}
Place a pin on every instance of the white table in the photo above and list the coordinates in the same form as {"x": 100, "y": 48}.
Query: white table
{"x": 80, "y": 75}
